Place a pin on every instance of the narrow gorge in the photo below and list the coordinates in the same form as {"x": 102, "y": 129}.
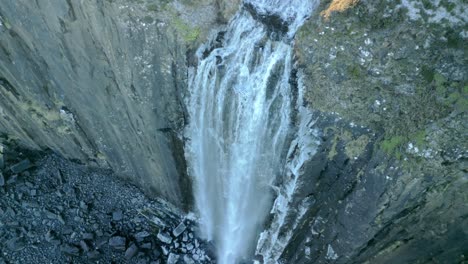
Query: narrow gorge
{"x": 233, "y": 132}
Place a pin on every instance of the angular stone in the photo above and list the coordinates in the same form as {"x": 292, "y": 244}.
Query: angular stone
{"x": 188, "y": 260}
{"x": 190, "y": 247}
{"x": 2, "y": 160}
{"x": 21, "y": 166}
{"x": 2, "y": 180}
{"x": 117, "y": 215}
{"x": 172, "y": 259}
{"x": 87, "y": 236}
{"x": 142, "y": 235}
{"x": 117, "y": 242}
{"x": 131, "y": 251}
{"x": 84, "y": 246}
{"x": 164, "y": 237}
{"x": 70, "y": 250}
{"x": 92, "y": 255}
{"x": 179, "y": 229}
{"x": 146, "y": 245}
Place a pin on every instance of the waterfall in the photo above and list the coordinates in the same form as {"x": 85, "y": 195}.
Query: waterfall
{"x": 240, "y": 106}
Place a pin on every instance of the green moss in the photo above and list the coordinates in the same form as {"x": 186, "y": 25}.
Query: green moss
{"x": 153, "y": 7}
{"x": 188, "y": 33}
{"x": 427, "y": 4}
{"x": 392, "y": 144}
{"x": 427, "y": 73}
{"x": 449, "y": 6}
{"x": 355, "y": 148}
{"x": 454, "y": 40}
{"x": 355, "y": 71}
{"x": 6, "y": 23}
{"x": 465, "y": 90}
{"x": 148, "y": 20}
{"x": 439, "y": 79}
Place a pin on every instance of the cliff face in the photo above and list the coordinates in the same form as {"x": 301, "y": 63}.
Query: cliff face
{"x": 387, "y": 82}
{"x": 101, "y": 82}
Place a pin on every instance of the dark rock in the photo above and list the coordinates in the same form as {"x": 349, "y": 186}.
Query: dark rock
{"x": 118, "y": 242}
{"x": 12, "y": 179}
{"x": 84, "y": 246}
{"x": 93, "y": 255}
{"x": 21, "y": 166}
{"x": 15, "y": 244}
{"x": 117, "y": 215}
{"x": 70, "y": 250}
{"x": 146, "y": 245}
{"x": 131, "y": 251}
{"x": 140, "y": 236}
{"x": 2, "y": 160}
{"x": 2, "y": 180}
{"x": 49, "y": 236}
{"x": 87, "y": 236}
{"x": 273, "y": 22}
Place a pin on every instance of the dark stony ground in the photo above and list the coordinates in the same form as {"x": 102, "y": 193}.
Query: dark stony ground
{"x": 56, "y": 211}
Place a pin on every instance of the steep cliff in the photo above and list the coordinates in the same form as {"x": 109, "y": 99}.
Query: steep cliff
{"x": 101, "y": 82}
{"x": 387, "y": 84}
{"x": 384, "y": 85}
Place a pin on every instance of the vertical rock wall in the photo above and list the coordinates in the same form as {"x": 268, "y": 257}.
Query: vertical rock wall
{"x": 102, "y": 82}
{"x": 387, "y": 81}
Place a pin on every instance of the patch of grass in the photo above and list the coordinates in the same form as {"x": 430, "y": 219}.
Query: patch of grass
{"x": 419, "y": 138}
{"x": 355, "y": 71}
{"x": 391, "y": 145}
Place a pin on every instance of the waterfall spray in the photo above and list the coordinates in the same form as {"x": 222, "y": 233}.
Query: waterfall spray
{"x": 240, "y": 107}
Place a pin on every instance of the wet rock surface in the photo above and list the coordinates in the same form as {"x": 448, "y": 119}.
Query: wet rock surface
{"x": 57, "y": 211}
{"x": 387, "y": 82}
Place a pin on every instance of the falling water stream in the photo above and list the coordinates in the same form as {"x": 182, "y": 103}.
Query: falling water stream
{"x": 240, "y": 104}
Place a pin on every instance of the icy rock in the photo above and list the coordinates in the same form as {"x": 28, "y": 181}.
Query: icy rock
{"x": 172, "y": 259}
{"x": 164, "y": 237}
{"x": 188, "y": 260}
{"x": 185, "y": 237}
{"x": 190, "y": 247}
{"x": 179, "y": 229}
{"x": 165, "y": 250}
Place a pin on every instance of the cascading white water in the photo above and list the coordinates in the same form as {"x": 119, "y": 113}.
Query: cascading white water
{"x": 240, "y": 105}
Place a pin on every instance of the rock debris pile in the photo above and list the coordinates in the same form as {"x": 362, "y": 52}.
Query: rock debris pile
{"x": 55, "y": 211}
